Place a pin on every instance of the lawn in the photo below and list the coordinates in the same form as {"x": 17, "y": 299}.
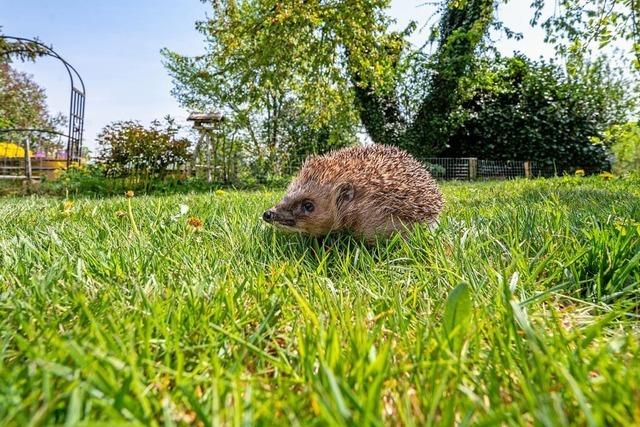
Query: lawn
{"x": 144, "y": 314}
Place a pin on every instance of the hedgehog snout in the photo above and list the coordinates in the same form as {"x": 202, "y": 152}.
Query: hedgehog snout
{"x": 279, "y": 217}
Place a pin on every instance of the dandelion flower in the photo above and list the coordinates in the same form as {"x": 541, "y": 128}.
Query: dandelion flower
{"x": 220, "y": 192}
{"x": 129, "y": 194}
{"x": 195, "y": 222}
{"x": 67, "y": 207}
{"x": 579, "y": 172}
{"x": 606, "y": 175}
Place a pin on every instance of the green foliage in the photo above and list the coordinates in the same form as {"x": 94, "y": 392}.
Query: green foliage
{"x": 577, "y": 28}
{"x": 266, "y": 68}
{"x": 87, "y": 180}
{"x": 202, "y": 314}
{"x": 606, "y": 269}
{"x": 420, "y": 123}
{"x": 435, "y": 170}
{"x": 463, "y": 26}
{"x": 128, "y": 147}
{"x": 624, "y": 141}
{"x": 93, "y": 181}
{"x": 457, "y": 314}
{"x": 524, "y": 110}
{"x": 23, "y": 51}
{"x": 326, "y": 61}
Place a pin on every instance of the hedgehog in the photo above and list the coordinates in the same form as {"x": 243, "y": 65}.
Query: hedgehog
{"x": 369, "y": 191}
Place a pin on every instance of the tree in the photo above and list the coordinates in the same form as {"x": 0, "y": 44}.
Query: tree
{"x": 332, "y": 56}
{"x": 577, "y": 25}
{"x": 258, "y": 84}
{"x": 463, "y": 25}
{"x": 624, "y": 140}
{"x": 23, "y": 103}
{"x": 309, "y": 51}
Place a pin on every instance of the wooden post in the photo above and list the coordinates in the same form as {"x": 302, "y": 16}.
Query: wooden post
{"x": 213, "y": 142}
{"x": 27, "y": 158}
{"x": 208, "y": 140}
{"x": 196, "y": 155}
{"x": 473, "y": 168}
{"x": 527, "y": 169}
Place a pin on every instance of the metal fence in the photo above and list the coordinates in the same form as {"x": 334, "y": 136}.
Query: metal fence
{"x": 471, "y": 168}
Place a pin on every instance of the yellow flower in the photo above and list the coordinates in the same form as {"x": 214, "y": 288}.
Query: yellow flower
{"x": 67, "y": 206}
{"x": 129, "y": 194}
{"x": 625, "y": 225}
{"x": 220, "y": 192}
{"x": 606, "y": 175}
{"x": 579, "y": 172}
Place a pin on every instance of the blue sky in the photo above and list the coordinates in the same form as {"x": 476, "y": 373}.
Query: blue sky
{"x": 115, "y": 45}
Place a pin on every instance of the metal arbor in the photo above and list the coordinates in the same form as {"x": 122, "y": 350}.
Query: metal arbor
{"x": 77, "y": 99}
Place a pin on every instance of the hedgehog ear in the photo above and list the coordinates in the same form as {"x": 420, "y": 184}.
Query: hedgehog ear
{"x": 344, "y": 193}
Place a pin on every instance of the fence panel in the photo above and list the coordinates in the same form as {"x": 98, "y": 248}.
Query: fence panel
{"x": 449, "y": 167}
{"x": 539, "y": 169}
{"x": 469, "y": 168}
{"x": 15, "y": 165}
{"x": 500, "y": 169}
{"x": 17, "y": 168}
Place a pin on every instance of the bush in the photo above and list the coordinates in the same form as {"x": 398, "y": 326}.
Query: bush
{"x": 83, "y": 179}
{"x": 517, "y": 109}
{"x": 128, "y": 147}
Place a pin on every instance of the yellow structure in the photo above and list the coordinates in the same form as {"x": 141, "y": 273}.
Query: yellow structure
{"x": 11, "y": 150}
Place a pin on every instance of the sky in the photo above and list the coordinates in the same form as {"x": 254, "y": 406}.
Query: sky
{"x": 115, "y": 46}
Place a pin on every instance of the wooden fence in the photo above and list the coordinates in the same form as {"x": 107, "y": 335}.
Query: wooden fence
{"x": 33, "y": 168}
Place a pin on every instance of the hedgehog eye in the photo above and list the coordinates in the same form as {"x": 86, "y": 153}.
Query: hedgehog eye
{"x": 307, "y": 207}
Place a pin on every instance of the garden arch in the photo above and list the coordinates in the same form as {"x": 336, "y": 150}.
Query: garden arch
{"x": 77, "y": 98}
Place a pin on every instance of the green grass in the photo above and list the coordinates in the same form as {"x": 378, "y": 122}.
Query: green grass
{"x": 117, "y": 317}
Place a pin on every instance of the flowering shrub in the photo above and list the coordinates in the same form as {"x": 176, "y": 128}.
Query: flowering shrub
{"x": 127, "y": 147}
